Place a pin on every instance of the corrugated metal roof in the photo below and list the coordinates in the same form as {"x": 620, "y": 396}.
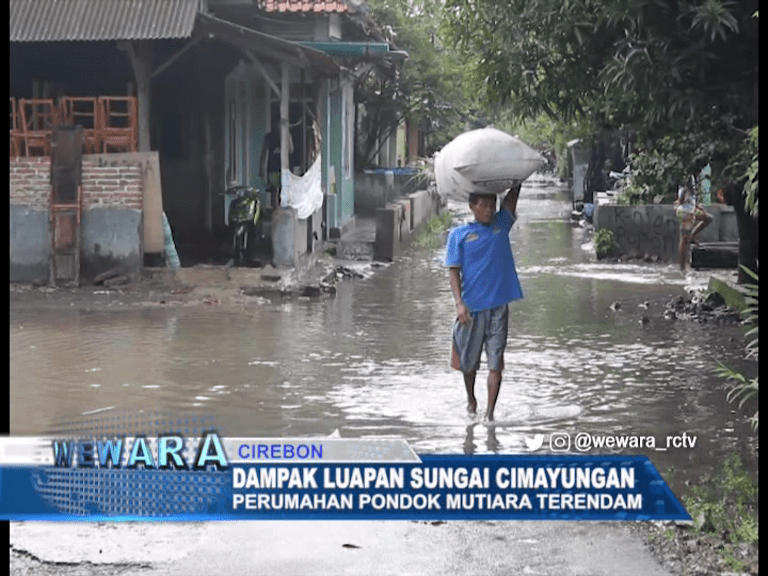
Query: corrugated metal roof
{"x": 55, "y": 20}
{"x": 303, "y": 6}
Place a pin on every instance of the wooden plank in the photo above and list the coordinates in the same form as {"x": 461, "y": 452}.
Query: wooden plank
{"x": 65, "y": 204}
{"x": 154, "y": 238}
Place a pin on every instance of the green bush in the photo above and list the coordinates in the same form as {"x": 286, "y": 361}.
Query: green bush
{"x": 658, "y": 171}
{"x": 726, "y": 504}
{"x": 740, "y": 387}
{"x": 744, "y": 167}
{"x": 605, "y": 244}
{"x": 431, "y": 236}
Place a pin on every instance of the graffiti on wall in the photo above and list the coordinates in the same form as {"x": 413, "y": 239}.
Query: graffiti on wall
{"x": 646, "y": 231}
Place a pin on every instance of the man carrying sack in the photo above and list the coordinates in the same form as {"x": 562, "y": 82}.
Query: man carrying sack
{"x": 483, "y": 281}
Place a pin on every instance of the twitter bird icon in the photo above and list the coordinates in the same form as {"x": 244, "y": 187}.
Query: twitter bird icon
{"x": 533, "y": 444}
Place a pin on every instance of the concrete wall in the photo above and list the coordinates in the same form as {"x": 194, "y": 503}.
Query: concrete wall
{"x": 654, "y": 230}
{"x": 111, "y": 223}
{"x": 153, "y": 240}
{"x": 29, "y": 244}
{"x": 285, "y": 237}
{"x": 110, "y": 239}
{"x": 398, "y": 222}
{"x": 376, "y": 189}
{"x": 292, "y": 238}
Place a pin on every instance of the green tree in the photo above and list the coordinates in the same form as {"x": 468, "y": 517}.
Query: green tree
{"x": 685, "y": 70}
{"x": 550, "y": 135}
{"x": 533, "y": 57}
{"x": 657, "y": 65}
{"x": 431, "y": 87}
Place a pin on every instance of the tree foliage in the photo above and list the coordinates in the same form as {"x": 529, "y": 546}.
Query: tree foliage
{"x": 743, "y": 169}
{"x": 534, "y": 57}
{"x": 656, "y": 65}
{"x": 682, "y": 74}
{"x": 658, "y": 172}
{"x": 549, "y": 135}
{"x": 429, "y": 87}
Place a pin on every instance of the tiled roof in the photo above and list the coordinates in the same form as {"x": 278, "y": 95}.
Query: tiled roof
{"x": 53, "y": 20}
{"x": 304, "y": 6}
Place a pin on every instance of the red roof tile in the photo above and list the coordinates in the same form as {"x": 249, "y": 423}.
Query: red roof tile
{"x": 304, "y": 6}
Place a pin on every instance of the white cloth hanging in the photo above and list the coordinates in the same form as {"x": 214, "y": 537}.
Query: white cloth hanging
{"x": 304, "y": 193}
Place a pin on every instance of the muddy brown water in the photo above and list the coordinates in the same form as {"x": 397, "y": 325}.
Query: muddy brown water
{"x": 373, "y": 360}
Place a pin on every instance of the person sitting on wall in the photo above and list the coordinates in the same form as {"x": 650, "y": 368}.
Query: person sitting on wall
{"x": 693, "y": 219}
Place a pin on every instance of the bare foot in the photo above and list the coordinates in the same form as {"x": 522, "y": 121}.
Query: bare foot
{"x": 472, "y": 406}
{"x": 489, "y": 416}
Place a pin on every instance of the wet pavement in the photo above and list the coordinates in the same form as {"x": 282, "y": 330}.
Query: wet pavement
{"x": 373, "y": 361}
{"x": 325, "y": 548}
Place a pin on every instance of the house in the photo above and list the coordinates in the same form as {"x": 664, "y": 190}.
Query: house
{"x": 211, "y": 79}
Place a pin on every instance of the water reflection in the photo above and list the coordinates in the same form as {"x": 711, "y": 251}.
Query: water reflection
{"x": 374, "y": 359}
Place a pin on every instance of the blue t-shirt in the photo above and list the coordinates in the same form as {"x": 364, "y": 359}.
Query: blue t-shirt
{"x": 483, "y": 252}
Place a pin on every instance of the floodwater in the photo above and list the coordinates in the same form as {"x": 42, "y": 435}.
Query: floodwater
{"x": 373, "y": 360}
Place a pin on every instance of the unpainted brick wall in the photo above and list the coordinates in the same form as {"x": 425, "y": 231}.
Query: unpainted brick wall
{"x": 30, "y": 184}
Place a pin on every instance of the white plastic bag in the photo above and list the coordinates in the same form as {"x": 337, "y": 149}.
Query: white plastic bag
{"x": 484, "y": 161}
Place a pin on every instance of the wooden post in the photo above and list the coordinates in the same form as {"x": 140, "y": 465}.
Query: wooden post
{"x": 303, "y": 122}
{"x": 140, "y": 54}
{"x": 284, "y": 132}
{"x": 208, "y": 171}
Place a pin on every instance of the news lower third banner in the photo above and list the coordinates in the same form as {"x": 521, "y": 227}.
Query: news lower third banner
{"x": 175, "y": 478}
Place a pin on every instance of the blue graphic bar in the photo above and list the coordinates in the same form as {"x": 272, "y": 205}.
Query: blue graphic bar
{"x": 433, "y": 487}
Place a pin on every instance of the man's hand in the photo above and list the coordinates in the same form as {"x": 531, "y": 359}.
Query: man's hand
{"x": 461, "y": 309}
{"x": 463, "y": 313}
{"x": 510, "y": 200}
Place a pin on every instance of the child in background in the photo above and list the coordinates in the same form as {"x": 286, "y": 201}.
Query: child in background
{"x": 693, "y": 219}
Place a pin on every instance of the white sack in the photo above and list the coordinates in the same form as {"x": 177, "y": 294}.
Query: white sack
{"x": 305, "y": 193}
{"x": 484, "y": 161}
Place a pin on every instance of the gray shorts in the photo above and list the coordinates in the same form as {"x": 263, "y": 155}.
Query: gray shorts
{"x": 487, "y": 327}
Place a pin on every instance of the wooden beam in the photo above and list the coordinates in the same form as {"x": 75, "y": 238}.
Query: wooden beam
{"x": 260, "y": 67}
{"x": 178, "y": 54}
{"x": 140, "y": 55}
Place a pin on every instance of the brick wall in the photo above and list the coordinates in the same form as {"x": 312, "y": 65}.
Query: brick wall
{"x": 30, "y": 181}
{"x": 102, "y": 185}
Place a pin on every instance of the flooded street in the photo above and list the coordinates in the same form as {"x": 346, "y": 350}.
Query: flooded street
{"x": 373, "y": 360}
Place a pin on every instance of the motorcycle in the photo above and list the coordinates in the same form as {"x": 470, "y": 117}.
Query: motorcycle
{"x": 243, "y": 213}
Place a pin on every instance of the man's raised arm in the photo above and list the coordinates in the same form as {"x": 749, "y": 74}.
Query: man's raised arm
{"x": 510, "y": 200}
